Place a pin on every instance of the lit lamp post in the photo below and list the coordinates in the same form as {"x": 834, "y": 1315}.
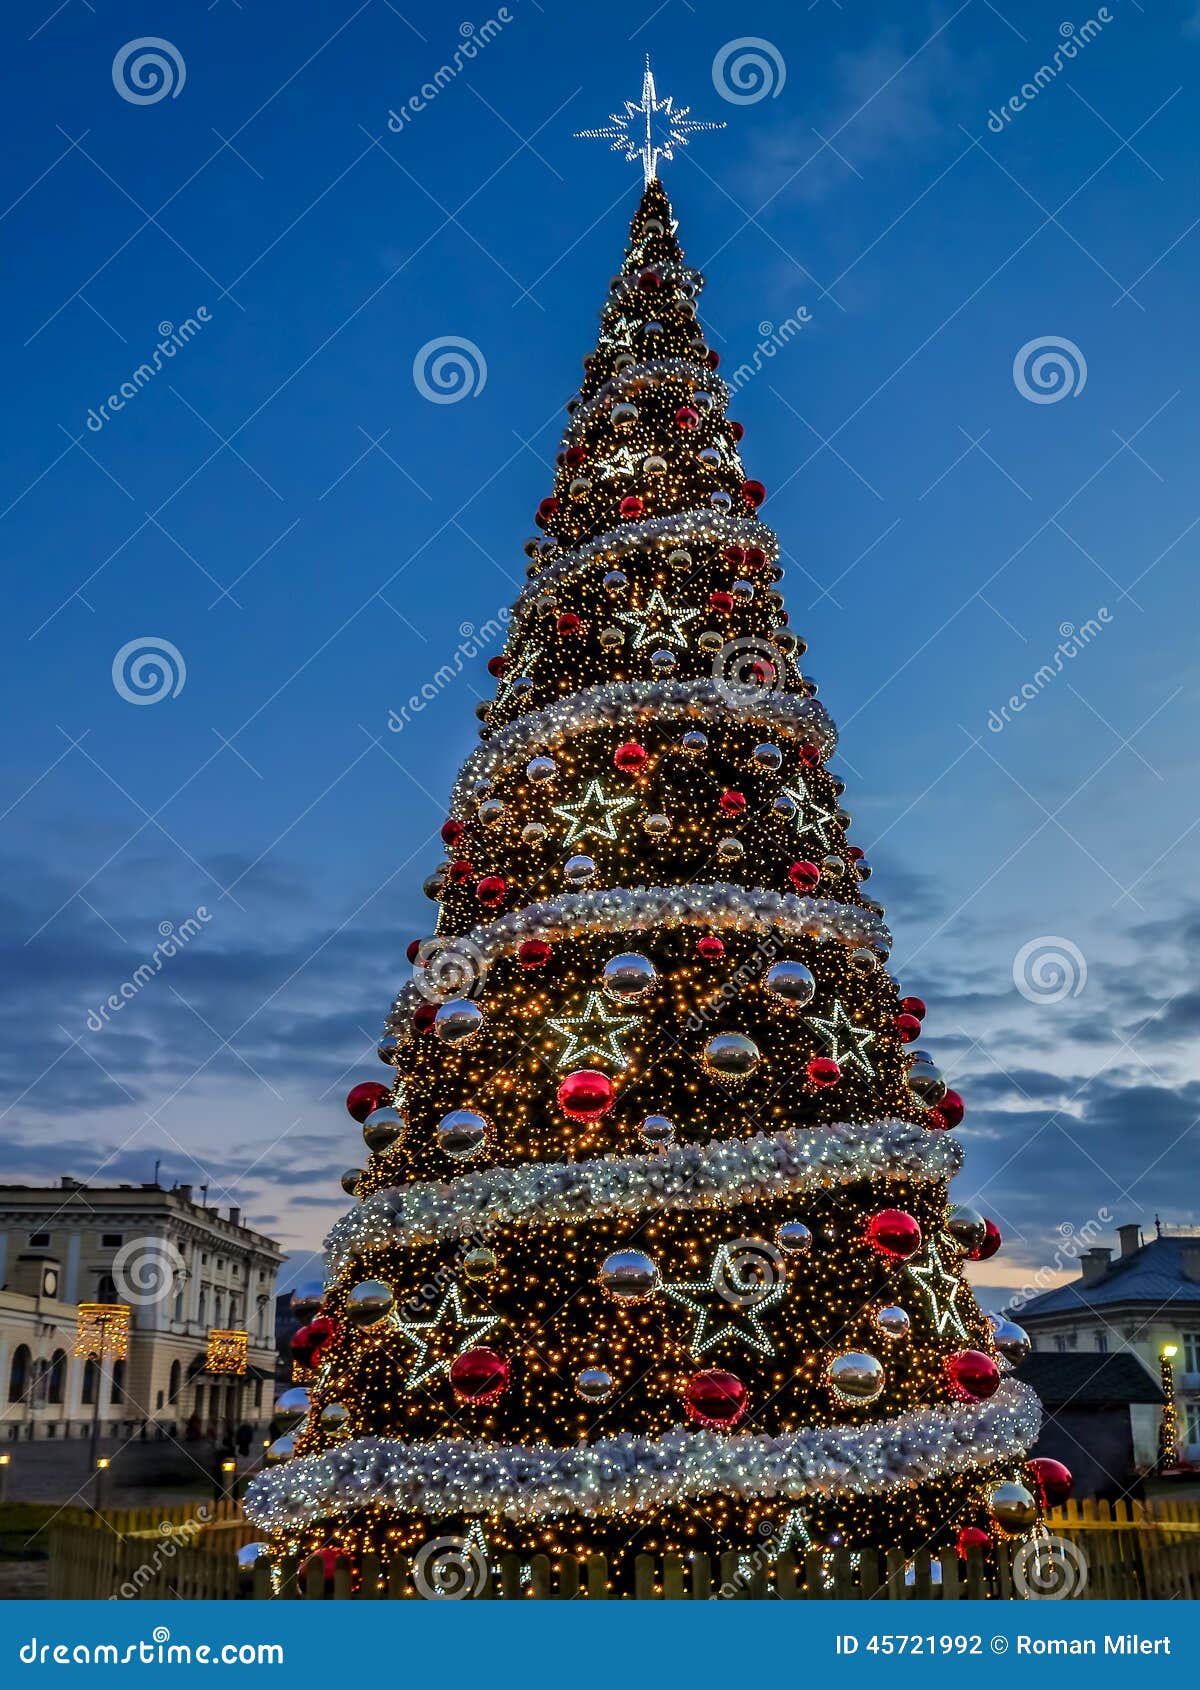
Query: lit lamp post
{"x": 5, "y": 1462}
{"x": 228, "y": 1353}
{"x": 102, "y": 1331}
{"x": 98, "y": 1491}
{"x": 1168, "y": 1432}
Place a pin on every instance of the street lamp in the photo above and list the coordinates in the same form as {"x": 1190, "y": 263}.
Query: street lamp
{"x": 1168, "y": 1432}
{"x": 102, "y": 1330}
{"x": 5, "y": 1460}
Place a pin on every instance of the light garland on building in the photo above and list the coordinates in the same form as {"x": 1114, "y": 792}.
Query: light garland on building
{"x": 228, "y": 1351}
{"x": 102, "y": 1331}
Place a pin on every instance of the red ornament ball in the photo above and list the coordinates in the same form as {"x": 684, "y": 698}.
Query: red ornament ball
{"x": 754, "y": 493}
{"x": 712, "y": 359}
{"x": 762, "y": 672}
{"x": 715, "y": 1398}
{"x": 650, "y": 281}
{"x": 804, "y": 876}
{"x": 710, "y": 947}
{"x": 972, "y": 1537}
{"x": 575, "y": 455}
{"x": 992, "y": 1241}
{"x": 894, "y": 1234}
{"x": 497, "y": 665}
{"x": 362, "y": 1100}
{"x": 630, "y": 757}
{"x": 310, "y": 1342}
{"x": 568, "y": 623}
{"x": 413, "y": 951}
{"x": 855, "y": 853}
{"x": 732, "y": 803}
{"x": 533, "y": 953}
{"x": 721, "y": 602}
{"x": 687, "y": 417}
{"x": 548, "y": 508}
{"x": 423, "y": 1017}
{"x": 756, "y": 558}
{"x": 913, "y": 1006}
{"x": 1052, "y": 1479}
{"x": 492, "y": 890}
{"x": 452, "y": 831}
{"x": 631, "y": 507}
{"x": 735, "y": 556}
{"x": 952, "y": 1109}
{"x": 586, "y": 1094}
{"x": 479, "y": 1376}
{"x": 735, "y": 430}
{"x": 823, "y": 1071}
{"x": 908, "y": 1027}
{"x": 972, "y": 1375}
{"x": 459, "y": 872}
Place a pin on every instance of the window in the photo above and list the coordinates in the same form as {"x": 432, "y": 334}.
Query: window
{"x": 1192, "y": 1423}
{"x": 57, "y": 1377}
{"x": 1191, "y": 1352}
{"x": 174, "y": 1381}
{"x": 1102, "y": 1343}
{"x": 258, "y": 1393}
{"x": 199, "y": 1402}
{"x": 90, "y": 1371}
{"x": 39, "y": 1240}
{"x": 159, "y": 1400}
{"x": 204, "y": 1258}
{"x": 111, "y": 1240}
{"x": 18, "y": 1374}
{"x": 202, "y": 1311}
{"x": 117, "y": 1393}
{"x": 237, "y": 1270}
{"x": 106, "y": 1289}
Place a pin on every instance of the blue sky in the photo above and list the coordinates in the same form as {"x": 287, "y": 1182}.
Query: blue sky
{"x": 309, "y": 532}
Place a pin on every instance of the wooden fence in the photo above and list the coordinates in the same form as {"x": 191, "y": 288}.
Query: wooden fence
{"x": 1093, "y": 1551}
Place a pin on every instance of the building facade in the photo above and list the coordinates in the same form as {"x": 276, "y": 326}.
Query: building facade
{"x": 1146, "y": 1301}
{"x": 181, "y": 1267}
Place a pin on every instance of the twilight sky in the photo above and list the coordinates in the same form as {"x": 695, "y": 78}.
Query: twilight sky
{"x": 284, "y": 506}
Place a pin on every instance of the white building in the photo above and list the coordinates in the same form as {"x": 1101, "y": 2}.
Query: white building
{"x": 182, "y": 1267}
{"x": 1147, "y": 1301}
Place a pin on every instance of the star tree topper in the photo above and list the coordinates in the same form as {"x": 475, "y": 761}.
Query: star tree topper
{"x": 649, "y": 130}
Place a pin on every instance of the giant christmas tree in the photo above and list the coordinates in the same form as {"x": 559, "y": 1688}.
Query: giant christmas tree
{"x": 654, "y": 1243}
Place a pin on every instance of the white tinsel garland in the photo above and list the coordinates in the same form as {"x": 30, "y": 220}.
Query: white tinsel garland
{"x": 634, "y": 378}
{"x": 687, "y": 1176}
{"x": 633, "y": 702}
{"x": 631, "y": 1474}
{"x": 624, "y": 909}
{"x": 656, "y": 532}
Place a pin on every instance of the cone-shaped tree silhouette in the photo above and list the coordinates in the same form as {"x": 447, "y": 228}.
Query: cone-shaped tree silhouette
{"x": 654, "y": 1248}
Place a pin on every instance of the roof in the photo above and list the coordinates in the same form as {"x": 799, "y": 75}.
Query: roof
{"x": 1088, "y": 1381}
{"x": 1152, "y": 1274}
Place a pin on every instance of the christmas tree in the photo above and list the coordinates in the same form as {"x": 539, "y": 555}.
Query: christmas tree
{"x": 653, "y": 1250}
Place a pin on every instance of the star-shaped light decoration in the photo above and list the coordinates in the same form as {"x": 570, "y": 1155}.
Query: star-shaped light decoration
{"x": 519, "y": 669}
{"x": 621, "y": 462}
{"x": 845, "y": 1041}
{"x": 657, "y": 611}
{"x": 446, "y": 1335}
{"x": 724, "y": 1309}
{"x": 616, "y": 331}
{"x": 942, "y": 1289}
{"x": 582, "y": 1042}
{"x": 649, "y": 130}
{"x": 593, "y": 814}
{"x": 810, "y": 817}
